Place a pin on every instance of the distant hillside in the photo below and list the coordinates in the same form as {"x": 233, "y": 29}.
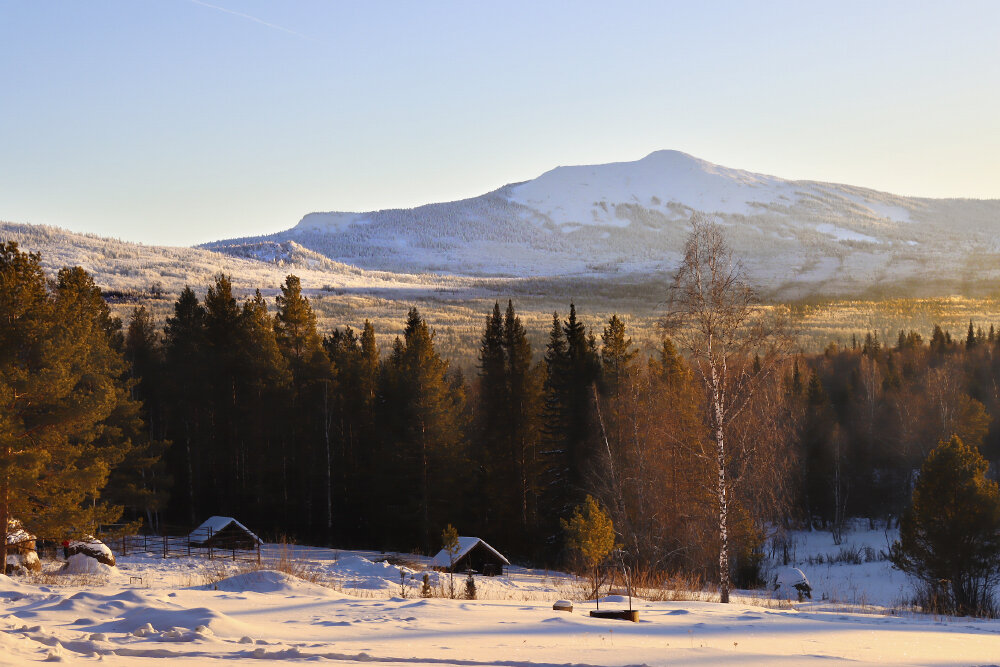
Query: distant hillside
{"x": 120, "y": 266}
{"x": 602, "y": 221}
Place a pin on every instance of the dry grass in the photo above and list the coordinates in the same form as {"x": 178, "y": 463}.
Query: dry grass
{"x": 285, "y": 561}
{"x": 52, "y": 574}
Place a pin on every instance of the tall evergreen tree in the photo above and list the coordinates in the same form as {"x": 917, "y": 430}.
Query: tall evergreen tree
{"x": 524, "y": 390}
{"x": 583, "y": 370}
{"x": 617, "y": 354}
{"x": 142, "y": 481}
{"x": 313, "y": 385}
{"x": 492, "y": 446}
{"x": 572, "y": 369}
{"x": 185, "y": 350}
{"x": 422, "y": 413}
{"x": 61, "y": 378}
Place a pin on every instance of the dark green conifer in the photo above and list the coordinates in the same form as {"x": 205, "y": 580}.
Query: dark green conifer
{"x": 617, "y": 354}
{"x": 61, "y": 379}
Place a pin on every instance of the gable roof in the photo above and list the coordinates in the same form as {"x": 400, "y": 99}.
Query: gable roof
{"x": 213, "y": 525}
{"x": 465, "y": 545}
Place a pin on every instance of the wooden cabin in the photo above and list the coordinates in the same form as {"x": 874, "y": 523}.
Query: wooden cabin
{"x": 223, "y": 532}
{"x": 473, "y": 554}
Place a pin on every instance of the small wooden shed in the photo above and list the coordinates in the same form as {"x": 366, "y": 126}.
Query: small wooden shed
{"x": 223, "y": 532}
{"x": 473, "y": 554}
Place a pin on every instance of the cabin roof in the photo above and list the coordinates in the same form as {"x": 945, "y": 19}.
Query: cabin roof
{"x": 465, "y": 545}
{"x": 214, "y": 525}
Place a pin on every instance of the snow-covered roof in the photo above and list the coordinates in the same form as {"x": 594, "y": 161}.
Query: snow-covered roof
{"x": 16, "y": 533}
{"x": 465, "y": 545}
{"x": 213, "y": 525}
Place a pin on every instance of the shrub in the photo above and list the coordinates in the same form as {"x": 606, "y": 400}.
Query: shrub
{"x": 470, "y": 587}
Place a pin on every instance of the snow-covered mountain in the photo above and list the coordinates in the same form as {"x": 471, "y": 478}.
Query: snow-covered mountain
{"x": 631, "y": 218}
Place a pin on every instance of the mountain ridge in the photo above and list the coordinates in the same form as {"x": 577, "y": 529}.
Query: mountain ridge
{"x": 625, "y": 218}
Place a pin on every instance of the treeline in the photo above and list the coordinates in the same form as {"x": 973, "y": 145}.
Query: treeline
{"x": 869, "y": 414}
{"x": 329, "y": 439}
{"x": 241, "y": 407}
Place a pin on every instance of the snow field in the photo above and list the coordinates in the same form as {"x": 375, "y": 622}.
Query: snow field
{"x": 346, "y": 607}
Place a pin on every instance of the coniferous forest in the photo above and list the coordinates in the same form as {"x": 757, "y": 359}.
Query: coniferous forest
{"x": 242, "y": 407}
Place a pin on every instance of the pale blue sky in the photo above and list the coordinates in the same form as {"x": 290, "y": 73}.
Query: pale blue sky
{"x": 176, "y": 121}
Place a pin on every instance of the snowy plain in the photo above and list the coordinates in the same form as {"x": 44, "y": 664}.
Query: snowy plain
{"x": 349, "y": 606}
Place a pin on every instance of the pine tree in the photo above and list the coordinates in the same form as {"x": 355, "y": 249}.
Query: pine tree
{"x": 185, "y": 351}
{"x": 61, "y": 378}
{"x": 950, "y": 537}
{"x": 264, "y": 385}
{"x": 423, "y": 419}
{"x": 141, "y": 482}
{"x": 225, "y": 357}
{"x": 590, "y": 536}
{"x": 313, "y": 386}
{"x": 295, "y": 323}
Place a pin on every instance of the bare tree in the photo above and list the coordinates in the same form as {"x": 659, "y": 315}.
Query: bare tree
{"x": 733, "y": 344}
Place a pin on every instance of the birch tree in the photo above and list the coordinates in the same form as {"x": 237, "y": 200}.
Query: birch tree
{"x": 733, "y": 344}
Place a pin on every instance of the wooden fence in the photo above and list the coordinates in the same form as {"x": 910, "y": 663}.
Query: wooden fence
{"x": 177, "y": 545}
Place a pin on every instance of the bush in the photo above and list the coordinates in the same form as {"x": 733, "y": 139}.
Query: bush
{"x": 470, "y": 587}
{"x": 949, "y": 539}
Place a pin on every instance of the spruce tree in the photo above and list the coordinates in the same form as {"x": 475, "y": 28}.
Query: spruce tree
{"x": 524, "y": 406}
{"x": 555, "y": 427}
{"x": 583, "y": 369}
{"x": 492, "y": 445}
{"x": 617, "y": 354}
{"x": 667, "y": 366}
{"x": 572, "y": 369}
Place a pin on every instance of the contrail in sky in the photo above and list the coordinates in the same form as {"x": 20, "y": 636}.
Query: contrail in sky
{"x": 252, "y": 18}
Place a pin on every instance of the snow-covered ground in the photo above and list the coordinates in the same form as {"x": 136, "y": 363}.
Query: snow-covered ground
{"x": 346, "y": 606}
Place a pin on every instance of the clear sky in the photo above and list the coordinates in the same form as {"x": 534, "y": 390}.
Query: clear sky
{"x": 182, "y": 121}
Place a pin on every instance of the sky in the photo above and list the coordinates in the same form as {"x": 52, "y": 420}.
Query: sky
{"x": 184, "y": 121}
